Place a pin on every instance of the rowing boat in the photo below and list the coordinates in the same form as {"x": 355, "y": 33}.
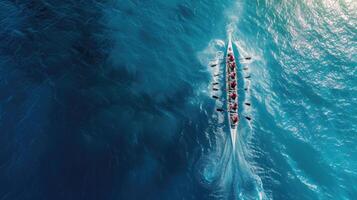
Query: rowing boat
{"x": 233, "y": 117}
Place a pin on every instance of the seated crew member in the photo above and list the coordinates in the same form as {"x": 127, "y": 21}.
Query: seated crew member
{"x": 231, "y": 58}
{"x": 233, "y": 106}
{"x": 233, "y": 95}
{"x": 232, "y": 66}
{"x": 234, "y": 119}
{"x": 233, "y": 84}
{"x": 232, "y": 75}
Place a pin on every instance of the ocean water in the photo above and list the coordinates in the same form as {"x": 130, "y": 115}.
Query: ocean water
{"x": 112, "y": 100}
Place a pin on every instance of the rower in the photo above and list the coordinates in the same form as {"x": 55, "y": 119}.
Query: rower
{"x": 234, "y": 119}
{"x": 233, "y": 106}
{"x": 231, "y": 58}
{"x": 232, "y": 66}
{"x": 233, "y": 84}
{"x": 233, "y": 95}
{"x": 232, "y": 75}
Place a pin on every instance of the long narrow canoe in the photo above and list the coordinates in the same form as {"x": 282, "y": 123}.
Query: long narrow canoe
{"x": 231, "y": 88}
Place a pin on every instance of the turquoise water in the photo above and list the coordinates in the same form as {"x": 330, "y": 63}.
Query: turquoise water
{"x": 112, "y": 100}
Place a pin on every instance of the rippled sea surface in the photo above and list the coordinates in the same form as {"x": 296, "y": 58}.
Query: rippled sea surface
{"x": 112, "y": 100}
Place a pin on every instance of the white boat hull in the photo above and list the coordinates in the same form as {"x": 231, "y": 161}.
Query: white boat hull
{"x": 233, "y": 126}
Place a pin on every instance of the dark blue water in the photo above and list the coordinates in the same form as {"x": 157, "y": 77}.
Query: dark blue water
{"x": 112, "y": 100}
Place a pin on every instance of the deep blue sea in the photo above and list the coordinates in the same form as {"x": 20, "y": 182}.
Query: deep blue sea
{"x": 112, "y": 100}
